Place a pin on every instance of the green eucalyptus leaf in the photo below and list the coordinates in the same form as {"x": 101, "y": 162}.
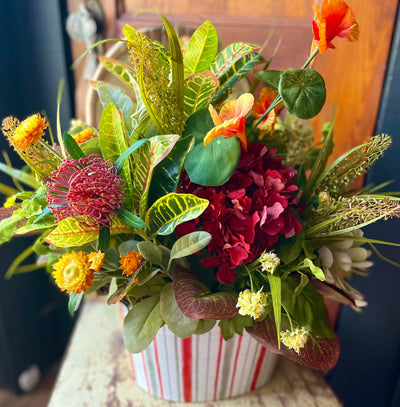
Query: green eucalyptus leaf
{"x": 204, "y": 326}
{"x": 189, "y": 244}
{"x": 74, "y": 302}
{"x": 303, "y": 92}
{"x": 177, "y": 322}
{"x": 104, "y": 238}
{"x": 151, "y": 252}
{"x": 289, "y": 249}
{"x": 150, "y": 288}
{"x": 171, "y": 210}
{"x": 227, "y": 328}
{"x": 141, "y": 324}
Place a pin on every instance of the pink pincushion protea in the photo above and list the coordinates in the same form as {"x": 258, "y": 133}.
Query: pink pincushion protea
{"x": 248, "y": 214}
{"x": 88, "y": 187}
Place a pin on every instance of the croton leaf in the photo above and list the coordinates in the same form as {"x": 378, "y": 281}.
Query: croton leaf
{"x": 152, "y": 153}
{"x": 113, "y": 143}
{"x": 72, "y": 232}
{"x": 303, "y": 92}
{"x": 120, "y": 70}
{"x": 166, "y": 175}
{"x": 201, "y": 50}
{"x": 200, "y": 89}
{"x": 318, "y": 353}
{"x": 171, "y": 210}
{"x": 196, "y": 301}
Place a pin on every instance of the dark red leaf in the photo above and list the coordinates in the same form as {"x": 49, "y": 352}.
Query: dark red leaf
{"x": 196, "y": 301}
{"x": 321, "y": 353}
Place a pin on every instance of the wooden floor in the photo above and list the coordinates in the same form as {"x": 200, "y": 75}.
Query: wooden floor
{"x": 37, "y": 398}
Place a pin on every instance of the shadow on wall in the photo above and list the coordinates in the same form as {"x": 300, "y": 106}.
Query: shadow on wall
{"x": 34, "y": 322}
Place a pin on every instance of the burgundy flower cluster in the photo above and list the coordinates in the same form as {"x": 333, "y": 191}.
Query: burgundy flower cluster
{"x": 248, "y": 214}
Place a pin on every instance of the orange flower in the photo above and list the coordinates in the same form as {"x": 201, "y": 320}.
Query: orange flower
{"x": 84, "y": 135}
{"x": 231, "y": 119}
{"x": 30, "y": 131}
{"x": 335, "y": 19}
{"x": 73, "y": 272}
{"x": 267, "y": 96}
{"x": 130, "y": 262}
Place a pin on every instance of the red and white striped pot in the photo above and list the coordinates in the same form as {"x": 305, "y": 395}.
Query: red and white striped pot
{"x": 202, "y": 367}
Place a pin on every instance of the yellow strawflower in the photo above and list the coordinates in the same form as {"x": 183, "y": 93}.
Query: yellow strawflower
{"x": 96, "y": 260}
{"x": 30, "y": 131}
{"x": 295, "y": 339}
{"x": 269, "y": 262}
{"x": 73, "y": 272}
{"x": 130, "y": 262}
{"x": 84, "y": 135}
{"x": 252, "y": 304}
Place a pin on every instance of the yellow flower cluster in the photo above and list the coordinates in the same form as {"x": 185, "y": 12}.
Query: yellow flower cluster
{"x": 74, "y": 271}
{"x": 295, "y": 339}
{"x": 269, "y": 262}
{"x": 252, "y": 304}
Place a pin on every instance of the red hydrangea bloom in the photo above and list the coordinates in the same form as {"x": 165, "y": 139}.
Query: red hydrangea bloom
{"x": 248, "y": 214}
{"x": 89, "y": 186}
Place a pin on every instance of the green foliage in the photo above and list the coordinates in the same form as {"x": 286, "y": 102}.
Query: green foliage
{"x": 74, "y": 302}
{"x": 201, "y": 50}
{"x": 276, "y": 294}
{"x": 141, "y": 324}
{"x": 151, "y": 154}
{"x": 72, "y": 147}
{"x": 303, "y": 92}
{"x": 270, "y": 78}
{"x": 166, "y": 175}
{"x": 214, "y": 163}
{"x": 171, "y": 210}
{"x": 177, "y": 322}
{"x": 316, "y": 271}
{"x": 307, "y": 308}
{"x": 151, "y": 69}
{"x": 200, "y": 90}
{"x": 113, "y": 142}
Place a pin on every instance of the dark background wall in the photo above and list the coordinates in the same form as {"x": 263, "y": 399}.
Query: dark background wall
{"x": 368, "y": 372}
{"x": 34, "y": 323}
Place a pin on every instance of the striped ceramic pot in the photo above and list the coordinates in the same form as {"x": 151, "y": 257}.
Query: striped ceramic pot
{"x": 202, "y": 367}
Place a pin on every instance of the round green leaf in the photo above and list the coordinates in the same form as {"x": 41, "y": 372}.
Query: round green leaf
{"x": 214, "y": 163}
{"x": 303, "y": 92}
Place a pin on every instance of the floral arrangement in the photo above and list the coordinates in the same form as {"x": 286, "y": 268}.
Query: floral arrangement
{"x": 195, "y": 205}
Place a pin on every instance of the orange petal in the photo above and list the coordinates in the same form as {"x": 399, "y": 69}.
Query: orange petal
{"x": 214, "y": 115}
{"x": 230, "y": 128}
{"x": 237, "y": 107}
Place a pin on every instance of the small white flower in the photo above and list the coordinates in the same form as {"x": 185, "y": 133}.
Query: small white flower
{"x": 269, "y": 262}
{"x": 295, "y": 339}
{"x": 252, "y": 304}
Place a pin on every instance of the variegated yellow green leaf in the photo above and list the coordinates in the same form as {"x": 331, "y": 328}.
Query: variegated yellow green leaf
{"x": 238, "y": 70}
{"x": 120, "y": 70}
{"x": 151, "y": 153}
{"x": 201, "y": 49}
{"x": 113, "y": 143}
{"x": 171, "y": 210}
{"x": 200, "y": 89}
{"x": 71, "y": 232}
{"x": 229, "y": 56}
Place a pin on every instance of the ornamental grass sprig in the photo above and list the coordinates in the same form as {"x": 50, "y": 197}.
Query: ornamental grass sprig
{"x": 337, "y": 216}
{"x": 345, "y": 169}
